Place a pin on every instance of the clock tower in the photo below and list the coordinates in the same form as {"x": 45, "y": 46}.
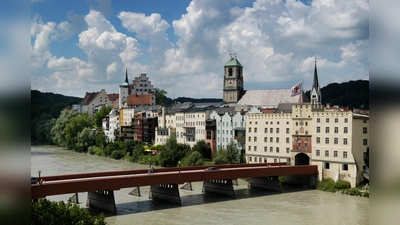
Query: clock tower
{"x": 233, "y": 81}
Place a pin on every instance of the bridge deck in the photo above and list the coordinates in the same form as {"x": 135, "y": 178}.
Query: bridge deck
{"x": 116, "y": 180}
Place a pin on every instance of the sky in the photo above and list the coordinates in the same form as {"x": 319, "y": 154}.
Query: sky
{"x": 182, "y": 45}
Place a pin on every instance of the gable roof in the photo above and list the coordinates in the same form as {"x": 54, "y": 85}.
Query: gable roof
{"x": 269, "y": 98}
{"x": 88, "y": 98}
{"x": 113, "y": 96}
{"x": 233, "y": 62}
{"x": 138, "y": 100}
{"x": 116, "y": 104}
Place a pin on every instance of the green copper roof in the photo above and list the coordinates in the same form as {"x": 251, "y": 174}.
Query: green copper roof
{"x": 233, "y": 62}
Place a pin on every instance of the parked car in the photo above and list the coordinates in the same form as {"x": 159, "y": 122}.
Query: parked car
{"x": 34, "y": 180}
{"x": 212, "y": 168}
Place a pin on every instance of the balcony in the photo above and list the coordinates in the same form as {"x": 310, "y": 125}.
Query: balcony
{"x": 240, "y": 138}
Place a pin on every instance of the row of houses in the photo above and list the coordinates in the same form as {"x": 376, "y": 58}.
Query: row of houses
{"x": 267, "y": 125}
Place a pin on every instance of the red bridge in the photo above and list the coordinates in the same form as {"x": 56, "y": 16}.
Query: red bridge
{"x": 164, "y": 181}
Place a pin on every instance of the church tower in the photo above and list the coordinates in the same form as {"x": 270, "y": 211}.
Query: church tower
{"x": 123, "y": 90}
{"x": 233, "y": 81}
{"x": 315, "y": 90}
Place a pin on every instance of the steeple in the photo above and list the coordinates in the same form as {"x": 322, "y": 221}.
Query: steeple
{"x": 126, "y": 76}
{"x": 315, "y": 90}
{"x": 315, "y": 82}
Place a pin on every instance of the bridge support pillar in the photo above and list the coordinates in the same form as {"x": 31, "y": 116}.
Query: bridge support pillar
{"x": 221, "y": 187}
{"x": 304, "y": 180}
{"x": 103, "y": 200}
{"x": 268, "y": 183}
{"x": 187, "y": 186}
{"x": 166, "y": 192}
{"x": 74, "y": 198}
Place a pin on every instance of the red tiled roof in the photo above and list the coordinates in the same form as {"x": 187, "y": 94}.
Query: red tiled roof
{"x": 88, "y": 98}
{"x": 139, "y": 100}
{"x": 116, "y": 104}
{"x": 113, "y": 96}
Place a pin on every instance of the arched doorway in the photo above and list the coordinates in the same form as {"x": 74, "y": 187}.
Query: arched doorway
{"x": 301, "y": 159}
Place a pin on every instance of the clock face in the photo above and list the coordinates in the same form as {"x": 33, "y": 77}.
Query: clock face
{"x": 230, "y": 83}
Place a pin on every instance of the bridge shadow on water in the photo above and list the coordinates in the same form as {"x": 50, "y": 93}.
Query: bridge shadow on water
{"x": 192, "y": 198}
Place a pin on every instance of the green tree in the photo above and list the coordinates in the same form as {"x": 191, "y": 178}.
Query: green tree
{"x": 99, "y": 116}
{"x": 58, "y": 134}
{"x": 202, "y": 147}
{"x": 74, "y": 127}
{"x": 160, "y": 96}
{"x": 230, "y": 155}
{"x": 194, "y": 159}
{"x": 173, "y": 152}
{"x": 53, "y": 213}
{"x": 86, "y": 138}
{"x": 42, "y": 130}
{"x": 101, "y": 140}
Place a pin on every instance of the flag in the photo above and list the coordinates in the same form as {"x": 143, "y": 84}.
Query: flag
{"x": 296, "y": 90}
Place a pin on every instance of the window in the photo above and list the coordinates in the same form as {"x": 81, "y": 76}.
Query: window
{"x": 271, "y": 139}
{"x": 299, "y": 145}
{"x": 336, "y": 130}
{"x": 364, "y": 121}
{"x": 255, "y": 129}
{"x": 271, "y": 130}
{"x": 344, "y": 154}
{"x": 249, "y": 148}
{"x": 275, "y": 160}
{"x": 345, "y": 141}
{"x": 335, "y": 154}
{"x": 277, "y": 130}
{"x": 335, "y": 141}
{"x": 287, "y": 150}
{"x": 365, "y": 141}
{"x": 260, "y": 160}
{"x": 250, "y": 159}
{"x": 271, "y": 149}
{"x": 277, "y": 140}
{"x": 265, "y": 149}
{"x": 265, "y": 139}
{"x": 287, "y": 130}
{"x": 255, "y": 148}
{"x": 345, "y": 167}
{"x": 318, "y": 129}
{"x": 327, "y": 153}
{"x": 255, "y": 139}
{"x": 297, "y": 123}
{"x": 326, "y": 140}
{"x": 346, "y": 120}
{"x": 306, "y": 145}
{"x": 345, "y": 130}
{"x": 318, "y": 120}
{"x": 249, "y": 139}
{"x": 327, "y": 120}
{"x": 327, "y": 130}
{"x": 365, "y": 130}
{"x": 318, "y": 140}
{"x": 317, "y": 153}
{"x": 250, "y": 128}
{"x": 336, "y": 120}
{"x": 326, "y": 165}
{"x": 265, "y": 130}
{"x": 287, "y": 140}
{"x": 277, "y": 149}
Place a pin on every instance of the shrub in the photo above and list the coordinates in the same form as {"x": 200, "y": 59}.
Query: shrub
{"x": 117, "y": 154}
{"x": 340, "y": 185}
{"x": 326, "y": 185}
{"x": 353, "y": 191}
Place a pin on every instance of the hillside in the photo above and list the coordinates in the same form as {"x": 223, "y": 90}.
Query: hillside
{"x": 354, "y": 94}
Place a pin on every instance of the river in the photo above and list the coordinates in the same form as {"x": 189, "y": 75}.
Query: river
{"x": 251, "y": 206}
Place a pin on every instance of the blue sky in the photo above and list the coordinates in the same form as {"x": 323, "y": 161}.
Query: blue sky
{"x": 182, "y": 45}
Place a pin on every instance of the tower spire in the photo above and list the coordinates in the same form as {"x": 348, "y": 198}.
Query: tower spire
{"x": 126, "y": 75}
{"x": 315, "y": 90}
{"x": 315, "y": 82}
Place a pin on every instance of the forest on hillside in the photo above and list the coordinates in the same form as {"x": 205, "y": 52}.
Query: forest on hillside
{"x": 354, "y": 94}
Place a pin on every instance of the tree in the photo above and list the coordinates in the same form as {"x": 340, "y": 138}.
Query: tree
{"x": 58, "y": 131}
{"x": 160, "y": 96}
{"x": 99, "y": 116}
{"x": 101, "y": 140}
{"x": 221, "y": 157}
{"x": 47, "y": 212}
{"x": 74, "y": 127}
{"x": 86, "y": 138}
{"x": 194, "y": 159}
{"x": 230, "y": 155}
{"x": 173, "y": 152}
{"x": 202, "y": 147}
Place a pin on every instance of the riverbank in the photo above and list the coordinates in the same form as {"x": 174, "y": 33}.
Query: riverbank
{"x": 343, "y": 187}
